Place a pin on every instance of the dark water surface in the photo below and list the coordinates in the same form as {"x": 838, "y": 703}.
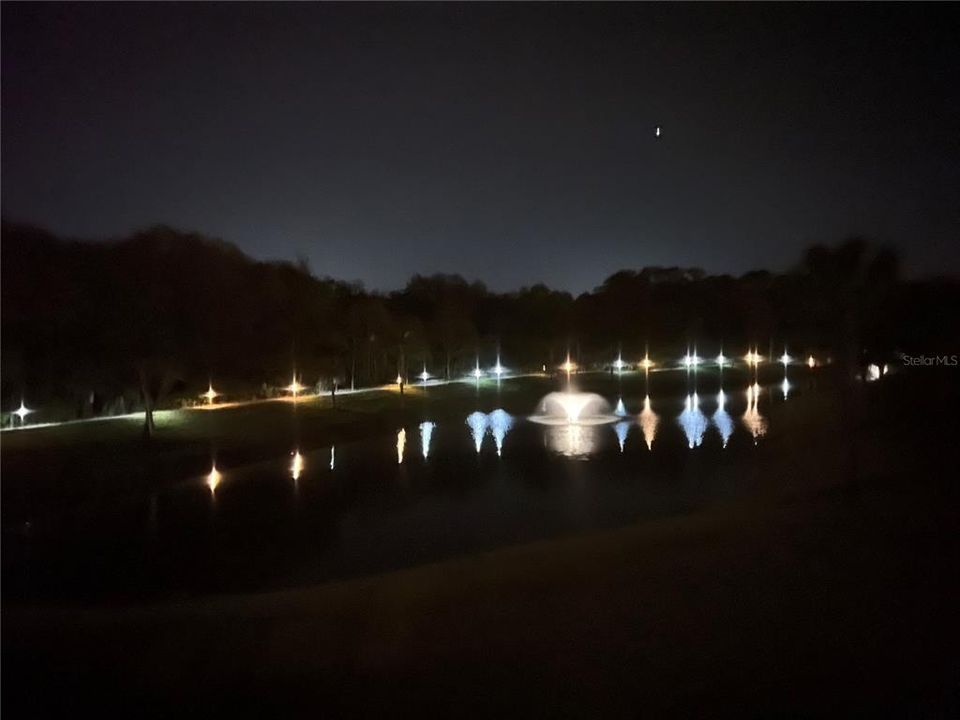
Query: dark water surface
{"x": 430, "y": 491}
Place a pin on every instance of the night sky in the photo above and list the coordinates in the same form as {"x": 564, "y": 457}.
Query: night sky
{"x": 513, "y": 144}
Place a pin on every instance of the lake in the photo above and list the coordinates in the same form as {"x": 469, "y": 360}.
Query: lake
{"x": 431, "y": 490}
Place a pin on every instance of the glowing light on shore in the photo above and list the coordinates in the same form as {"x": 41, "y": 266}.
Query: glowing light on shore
{"x": 785, "y": 359}
{"x": 399, "y": 380}
{"x": 619, "y": 364}
{"x": 721, "y": 360}
{"x": 691, "y": 361}
{"x": 568, "y": 366}
{"x": 498, "y": 369}
{"x": 753, "y": 358}
{"x": 424, "y": 376}
{"x": 647, "y": 363}
{"x": 477, "y": 372}
{"x": 811, "y": 362}
{"x": 426, "y": 432}
{"x": 401, "y": 444}
{"x": 296, "y": 466}
{"x": 295, "y": 388}
{"x": 210, "y": 394}
{"x": 648, "y": 423}
{"x": 213, "y": 478}
{"x": 22, "y": 411}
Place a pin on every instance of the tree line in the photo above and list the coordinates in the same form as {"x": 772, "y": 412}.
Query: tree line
{"x": 109, "y": 326}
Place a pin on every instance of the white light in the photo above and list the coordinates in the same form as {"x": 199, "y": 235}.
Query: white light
{"x": 399, "y": 380}
{"x": 647, "y": 363}
{"x": 691, "y": 360}
{"x": 295, "y": 388}
{"x": 811, "y": 362}
{"x": 658, "y": 131}
{"x": 213, "y": 479}
{"x": 873, "y": 372}
{"x": 721, "y": 360}
{"x": 22, "y": 411}
{"x": 619, "y": 364}
{"x": 401, "y": 444}
{"x": 210, "y": 394}
{"x": 477, "y": 373}
{"x": 785, "y": 359}
{"x": 498, "y": 369}
{"x": 333, "y": 456}
{"x": 296, "y": 466}
{"x": 424, "y": 376}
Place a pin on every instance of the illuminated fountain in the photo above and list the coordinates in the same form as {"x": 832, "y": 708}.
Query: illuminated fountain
{"x": 620, "y": 410}
{"x": 693, "y": 421}
{"x": 573, "y": 417}
{"x": 426, "y": 432}
{"x": 648, "y": 423}
{"x": 721, "y": 418}
{"x": 574, "y": 408}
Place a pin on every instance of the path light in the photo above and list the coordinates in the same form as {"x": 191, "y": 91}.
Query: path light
{"x": 210, "y": 394}
{"x": 477, "y": 372}
{"x": 22, "y": 411}
{"x": 785, "y": 359}
{"x": 399, "y": 379}
{"x": 295, "y": 388}
{"x": 498, "y": 369}
{"x": 619, "y": 364}
{"x": 568, "y": 366}
{"x": 424, "y": 376}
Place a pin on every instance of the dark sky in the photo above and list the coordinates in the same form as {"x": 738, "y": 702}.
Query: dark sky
{"x": 509, "y": 143}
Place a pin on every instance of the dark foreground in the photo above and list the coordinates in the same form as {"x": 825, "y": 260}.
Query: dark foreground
{"x": 830, "y": 591}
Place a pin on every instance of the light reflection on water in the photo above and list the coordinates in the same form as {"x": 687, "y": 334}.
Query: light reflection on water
{"x": 721, "y": 419}
{"x": 622, "y": 429}
{"x": 499, "y": 422}
{"x": 573, "y": 440}
{"x": 426, "y": 433}
{"x": 755, "y": 423}
{"x": 693, "y": 421}
{"x": 401, "y": 444}
{"x": 648, "y": 423}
